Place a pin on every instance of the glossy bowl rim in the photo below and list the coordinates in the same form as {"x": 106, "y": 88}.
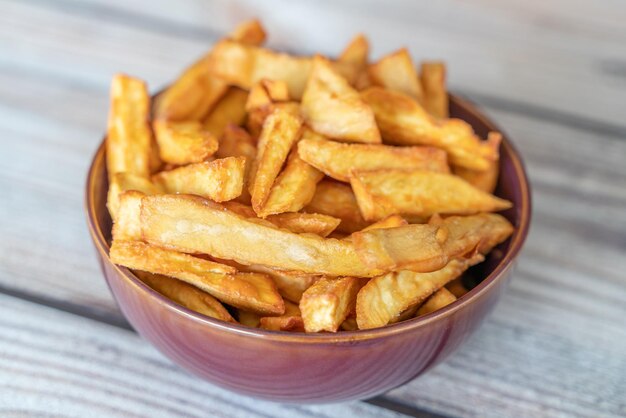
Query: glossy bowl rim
{"x": 517, "y": 242}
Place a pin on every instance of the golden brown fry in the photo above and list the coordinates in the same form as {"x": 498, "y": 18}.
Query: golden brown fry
{"x": 248, "y": 319}
{"x": 126, "y": 225}
{"x": 457, "y": 288}
{"x": 332, "y": 107}
{"x": 339, "y": 160}
{"x": 390, "y": 221}
{"x": 350, "y": 324}
{"x": 396, "y": 72}
{"x": 386, "y": 297}
{"x": 266, "y": 92}
{"x": 244, "y": 65}
{"x": 407, "y": 314}
{"x": 440, "y": 299}
{"x": 183, "y": 143}
{"x": 186, "y": 295}
{"x": 417, "y": 247}
{"x": 280, "y": 131}
{"x": 218, "y": 180}
{"x": 195, "y": 225}
{"x": 250, "y": 32}
{"x": 403, "y": 121}
{"x": 485, "y": 180}
{"x": 129, "y": 141}
{"x": 121, "y": 182}
{"x": 291, "y": 284}
{"x": 300, "y": 223}
{"x": 356, "y": 53}
{"x": 251, "y": 291}
{"x": 433, "y": 78}
{"x": 236, "y": 142}
{"x": 293, "y": 188}
{"x": 230, "y": 109}
{"x": 327, "y": 303}
{"x": 291, "y": 320}
{"x": 337, "y": 200}
{"x": 381, "y": 193}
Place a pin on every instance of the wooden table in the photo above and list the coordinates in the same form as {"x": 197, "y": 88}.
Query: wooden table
{"x": 553, "y": 75}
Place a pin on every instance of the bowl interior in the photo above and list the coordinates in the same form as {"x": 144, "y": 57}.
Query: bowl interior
{"x": 512, "y": 185}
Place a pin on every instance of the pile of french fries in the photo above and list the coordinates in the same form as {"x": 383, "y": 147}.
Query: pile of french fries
{"x": 300, "y": 194}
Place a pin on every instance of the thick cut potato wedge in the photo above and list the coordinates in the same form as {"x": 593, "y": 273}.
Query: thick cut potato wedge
{"x": 122, "y": 182}
{"x": 485, "y": 180}
{"x": 433, "y": 77}
{"x": 231, "y": 109}
{"x": 248, "y": 319}
{"x": 357, "y": 53}
{"x": 402, "y": 121}
{"x": 195, "y": 225}
{"x": 294, "y": 187}
{"x": 236, "y": 142}
{"x": 417, "y": 247}
{"x": 280, "y": 131}
{"x": 126, "y": 225}
{"x": 457, "y": 288}
{"x": 183, "y": 143}
{"x": 218, "y": 180}
{"x": 440, "y": 299}
{"x": 333, "y": 108}
{"x": 386, "y": 297}
{"x": 390, "y": 221}
{"x": 337, "y": 200}
{"x": 291, "y": 320}
{"x": 350, "y": 324}
{"x": 266, "y": 92}
{"x": 301, "y": 223}
{"x": 251, "y": 291}
{"x": 129, "y": 142}
{"x": 327, "y": 303}
{"x": 186, "y": 295}
{"x": 291, "y": 284}
{"x": 250, "y": 32}
{"x": 396, "y": 72}
{"x": 381, "y": 193}
{"x": 244, "y": 65}
{"x": 338, "y": 160}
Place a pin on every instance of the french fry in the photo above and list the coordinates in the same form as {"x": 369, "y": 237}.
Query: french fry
{"x": 244, "y": 65}
{"x": 327, "y": 303}
{"x": 236, "y": 142}
{"x": 291, "y": 320}
{"x": 357, "y": 53}
{"x": 338, "y": 160}
{"x": 333, "y": 108}
{"x": 126, "y": 225}
{"x": 407, "y": 314}
{"x": 396, "y": 72}
{"x": 121, "y": 182}
{"x": 402, "y": 121}
{"x": 230, "y": 109}
{"x": 300, "y": 223}
{"x": 218, "y": 180}
{"x": 440, "y": 299}
{"x": 250, "y": 32}
{"x": 293, "y": 188}
{"x": 386, "y": 297}
{"x": 248, "y": 319}
{"x": 129, "y": 140}
{"x": 433, "y": 78}
{"x": 381, "y": 193}
{"x": 417, "y": 247}
{"x": 194, "y": 225}
{"x": 350, "y": 324}
{"x": 280, "y": 131}
{"x": 183, "y": 143}
{"x": 457, "y": 288}
{"x": 266, "y": 92}
{"x": 337, "y": 200}
{"x": 291, "y": 284}
{"x": 251, "y": 291}
{"x": 390, "y": 221}
{"x": 186, "y": 295}
{"x": 485, "y": 180}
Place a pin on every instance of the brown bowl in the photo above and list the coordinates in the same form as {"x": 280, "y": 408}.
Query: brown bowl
{"x": 314, "y": 368}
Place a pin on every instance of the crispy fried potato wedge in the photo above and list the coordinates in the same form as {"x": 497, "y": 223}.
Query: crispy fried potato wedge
{"x": 126, "y": 225}
{"x": 236, "y": 142}
{"x": 231, "y": 109}
{"x": 417, "y": 247}
{"x": 218, "y": 180}
{"x": 407, "y": 314}
{"x": 457, "y": 288}
{"x": 244, "y": 65}
{"x": 121, "y": 182}
{"x": 337, "y": 200}
{"x": 186, "y": 295}
{"x": 338, "y": 160}
{"x": 382, "y": 193}
{"x": 402, "y": 121}
{"x": 485, "y": 180}
{"x": 333, "y": 108}
{"x": 251, "y": 291}
{"x": 350, "y": 324}
{"x": 390, "y": 221}
{"x": 250, "y": 32}
{"x": 280, "y": 131}
{"x": 433, "y": 78}
{"x": 291, "y": 320}
{"x": 291, "y": 284}
{"x": 183, "y": 143}
{"x": 248, "y": 319}
{"x": 129, "y": 140}
{"x": 386, "y": 297}
{"x": 440, "y": 299}
{"x": 265, "y": 92}
{"x": 195, "y": 225}
{"x": 327, "y": 303}
{"x": 294, "y": 187}
{"x": 357, "y": 53}
{"x": 301, "y": 223}
{"x": 396, "y": 72}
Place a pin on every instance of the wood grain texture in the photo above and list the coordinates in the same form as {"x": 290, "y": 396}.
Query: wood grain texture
{"x": 555, "y": 345}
